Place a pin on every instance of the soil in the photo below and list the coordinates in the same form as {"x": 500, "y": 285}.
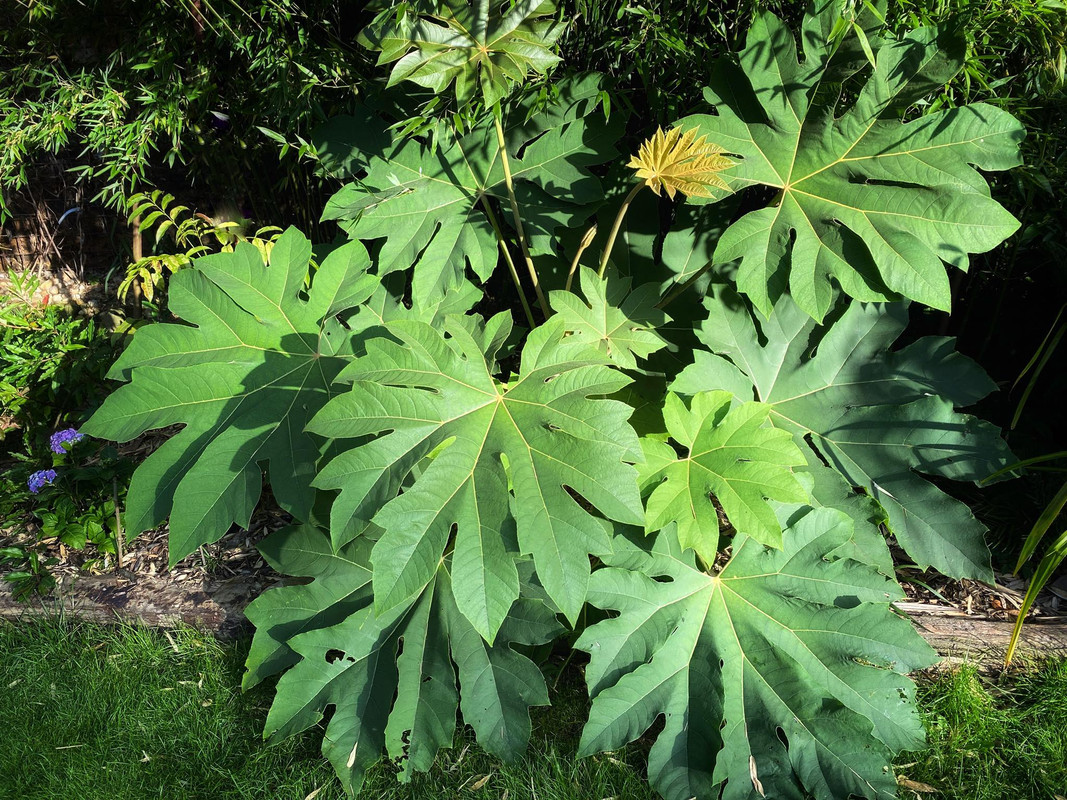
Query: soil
{"x": 963, "y": 620}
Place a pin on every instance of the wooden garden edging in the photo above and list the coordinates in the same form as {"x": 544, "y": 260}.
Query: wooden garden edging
{"x": 218, "y": 605}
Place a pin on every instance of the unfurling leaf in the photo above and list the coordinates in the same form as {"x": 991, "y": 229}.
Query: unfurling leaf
{"x": 483, "y": 44}
{"x": 440, "y": 419}
{"x": 731, "y": 454}
{"x": 244, "y": 376}
{"x": 679, "y": 161}
{"x": 787, "y": 668}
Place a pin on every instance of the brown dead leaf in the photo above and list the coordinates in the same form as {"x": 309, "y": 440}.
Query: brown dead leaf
{"x": 755, "y": 778}
{"x": 480, "y": 782}
{"x": 916, "y": 786}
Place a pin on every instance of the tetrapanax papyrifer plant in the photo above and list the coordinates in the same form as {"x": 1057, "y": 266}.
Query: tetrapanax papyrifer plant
{"x": 465, "y": 488}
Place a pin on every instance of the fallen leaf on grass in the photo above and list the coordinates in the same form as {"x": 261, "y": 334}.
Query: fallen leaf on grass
{"x": 916, "y": 786}
{"x": 480, "y": 782}
{"x": 459, "y": 759}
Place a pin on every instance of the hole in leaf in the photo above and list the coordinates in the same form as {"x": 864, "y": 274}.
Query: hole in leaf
{"x": 780, "y": 733}
{"x": 809, "y": 439}
{"x": 333, "y": 656}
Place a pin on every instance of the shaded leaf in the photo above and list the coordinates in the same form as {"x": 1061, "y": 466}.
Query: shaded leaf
{"x": 472, "y": 45}
{"x": 881, "y": 418}
{"x": 425, "y": 201}
{"x": 392, "y": 685}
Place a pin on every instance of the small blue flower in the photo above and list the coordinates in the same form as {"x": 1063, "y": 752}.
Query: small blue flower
{"x": 60, "y": 438}
{"x": 40, "y": 479}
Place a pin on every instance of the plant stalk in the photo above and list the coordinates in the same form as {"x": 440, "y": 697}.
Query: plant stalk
{"x": 502, "y": 146}
{"x": 510, "y": 262}
{"x": 119, "y": 535}
{"x": 586, "y": 241}
{"x": 678, "y": 291}
{"x": 615, "y": 228}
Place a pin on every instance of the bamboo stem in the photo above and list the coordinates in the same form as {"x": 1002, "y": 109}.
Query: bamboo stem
{"x": 502, "y": 146}
{"x": 615, "y": 228}
{"x": 507, "y": 257}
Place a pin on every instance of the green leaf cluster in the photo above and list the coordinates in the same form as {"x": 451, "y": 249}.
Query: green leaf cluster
{"x": 720, "y": 478}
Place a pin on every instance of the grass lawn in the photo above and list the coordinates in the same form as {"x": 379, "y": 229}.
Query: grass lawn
{"x": 122, "y": 713}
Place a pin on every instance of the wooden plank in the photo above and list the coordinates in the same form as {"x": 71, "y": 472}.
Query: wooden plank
{"x": 158, "y": 601}
{"x": 985, "y": 641}
{"x": 218, "y": 605}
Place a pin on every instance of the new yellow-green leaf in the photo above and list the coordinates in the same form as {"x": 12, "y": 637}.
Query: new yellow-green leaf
{"x": 679, "y": 161}
{"x": 734, "y": 456}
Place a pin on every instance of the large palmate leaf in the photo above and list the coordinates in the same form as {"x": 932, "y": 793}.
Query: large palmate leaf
{"x": 617, "y": 322}
{"x": 341, "y": 586}
{"x": 244, "y": 377}
{"x": 543, "y": 435}
{"x": 474, "y": 44}
{"x": 782, "y": 676}
{"x": 389, "y": 678}
{"x": 878, "y": 417}
{"x": 874, "y": 203}
{"x": 733, "y": 455}
{"x": 426, "y": 201}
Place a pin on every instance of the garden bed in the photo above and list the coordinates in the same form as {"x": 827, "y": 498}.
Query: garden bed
{"x": 962, "y": 620}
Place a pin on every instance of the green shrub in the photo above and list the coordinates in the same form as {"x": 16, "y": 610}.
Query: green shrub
{"x": 702, "y": 436}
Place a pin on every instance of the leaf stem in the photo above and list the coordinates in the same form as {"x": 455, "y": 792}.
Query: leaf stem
{"x": 615, "y": 228}
{"x": 510, "y": 262}
{"x": 586, "y": 241}
{"x": 502, "y": 146}
{"x": 678, "y": 291}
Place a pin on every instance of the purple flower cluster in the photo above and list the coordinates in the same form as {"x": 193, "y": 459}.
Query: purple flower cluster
{"x": 40, "y": 479}
{"x": 60, "y": 438}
